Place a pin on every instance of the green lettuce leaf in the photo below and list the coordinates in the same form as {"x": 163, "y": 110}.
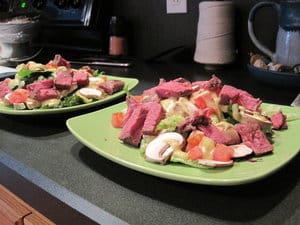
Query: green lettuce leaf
{"x": 170, "y": 123}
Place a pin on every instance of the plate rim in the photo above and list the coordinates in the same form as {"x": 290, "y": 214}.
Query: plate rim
{"x": 273, "y": 72}
{"x": 275, "y": 78}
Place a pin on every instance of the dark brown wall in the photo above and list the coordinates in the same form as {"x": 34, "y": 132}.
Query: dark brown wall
{"x": 152, "y": 31}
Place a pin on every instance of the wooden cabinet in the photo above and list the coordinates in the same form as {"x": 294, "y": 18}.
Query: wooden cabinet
{"x": 14, "y": 211}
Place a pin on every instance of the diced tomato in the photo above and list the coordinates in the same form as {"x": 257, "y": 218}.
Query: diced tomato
{"x": 195, "y": 153}
{"x": 137, "y": 98}
{"x": 117, "y": 119}
{"x": 18, "y": 96}
{"x": 209, "y": 111}
{"x": 200, "y": 102}
{"x": 51, "y": 65}
{"x": 194, "y": 139}
{"x": 222, "y": 153}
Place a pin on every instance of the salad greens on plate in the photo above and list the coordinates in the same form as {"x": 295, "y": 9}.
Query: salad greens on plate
{"x": 200, "y": 124}
{"x": 57, "y": 87}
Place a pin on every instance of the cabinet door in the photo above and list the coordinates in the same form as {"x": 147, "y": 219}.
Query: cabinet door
{"x": 12, "y": 210}
{"x": 5, "y": 220}
{"x": 35, "y": 219}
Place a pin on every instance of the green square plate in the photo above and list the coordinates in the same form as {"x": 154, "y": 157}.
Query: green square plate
{"x": 130, "y": 83}
{"x": 103, "y": 139}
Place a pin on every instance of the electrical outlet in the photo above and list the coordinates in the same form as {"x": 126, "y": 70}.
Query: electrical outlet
{"x": 176, "y": 6}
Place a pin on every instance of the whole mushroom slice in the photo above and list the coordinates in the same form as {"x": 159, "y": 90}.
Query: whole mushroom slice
{"x": 214, "y": 163}
{"x": 255, "y": 117}
{"x": 241, "y": 150}
{"x": 161, "y": 148}
{"x": 91, "y": 93}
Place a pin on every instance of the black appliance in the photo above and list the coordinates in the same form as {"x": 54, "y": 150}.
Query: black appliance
{"x": 67, "y": 24}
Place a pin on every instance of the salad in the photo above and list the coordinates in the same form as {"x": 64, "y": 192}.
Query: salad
{"x": 55, "y": 85}
{"x": 200, "y": 124}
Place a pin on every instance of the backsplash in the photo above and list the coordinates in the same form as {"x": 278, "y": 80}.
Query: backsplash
{"x": 154, "y": 31}
{"x": 151, "y": 32}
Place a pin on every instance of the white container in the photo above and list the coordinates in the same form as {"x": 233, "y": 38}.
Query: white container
{"x": 215, "y": 43}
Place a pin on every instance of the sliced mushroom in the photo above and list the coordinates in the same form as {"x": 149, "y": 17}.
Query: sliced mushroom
{"x": 160, "y": 149}
{"x": 241, "y": 150}
{"x": 91, "y": 93}
{"x": 19, "y": 106}
{"x": 95, "y": 81}
{"x": 32, "y": 103}
{"x": 214, "y": 163}
{"x": 51, "y": 103}
{"x": 250, "y": 116}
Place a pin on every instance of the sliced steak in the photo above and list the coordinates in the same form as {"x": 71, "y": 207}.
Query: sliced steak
{"x": 81, "y": 78}
{"x": 112, "y": 86}
{"x": 132, "y": 130}
{"x": 192, "y": 123}
{"x": 87, "y": 69}
{"x": 231, "y": 95}
{"x": 215, "y": 133}
{"x": 154, "y": 115}
{"x": 43, "y": 84}
{"x": 254, "y": 138}
{"x": 60, "y": 61}
{"x": 131, "y": 105}
{"x": 4, "y": 87}
{"x": 152, "y": 91}
{"x": 174, "y": 89}
{"x": 279, "y": 121}
{"x": 214, "y": 84}
{"x": 248, "y": 101}
{"x": 63, "y": 80}
{"x": 44, "y": 94}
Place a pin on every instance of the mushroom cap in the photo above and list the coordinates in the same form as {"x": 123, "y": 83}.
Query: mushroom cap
{"x": 241, "y": 150}
{"x": 160, "y": 149}
{"x": 91, "y": 93}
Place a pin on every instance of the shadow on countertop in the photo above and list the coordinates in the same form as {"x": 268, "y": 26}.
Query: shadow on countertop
{"x": 43, "y": 125}
{"x": 243, "y": 203}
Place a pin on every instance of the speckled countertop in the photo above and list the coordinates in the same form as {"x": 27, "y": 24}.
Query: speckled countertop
{"x": 44, "y": 144}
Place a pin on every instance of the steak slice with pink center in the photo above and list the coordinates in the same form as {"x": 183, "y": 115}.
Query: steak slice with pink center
{"x": 279, "y": 121}
{"x": 63, "y": 80}
{"x": 132, "y": 129}
{"x": 60, "y": 61}
{"x": 231, "y": 95}
{"x": 81, "y": 78}
{"x": 4, "y": 88}
{"x": 254, "y": 138}
{"x": 112, "y": 86}
{"x": 43, "y": 84}
{"x": 44, "y": 94}
{"x": 154, "y": 115}
{"x": 214, "y": 133}
{"x": 174, "y": 89}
